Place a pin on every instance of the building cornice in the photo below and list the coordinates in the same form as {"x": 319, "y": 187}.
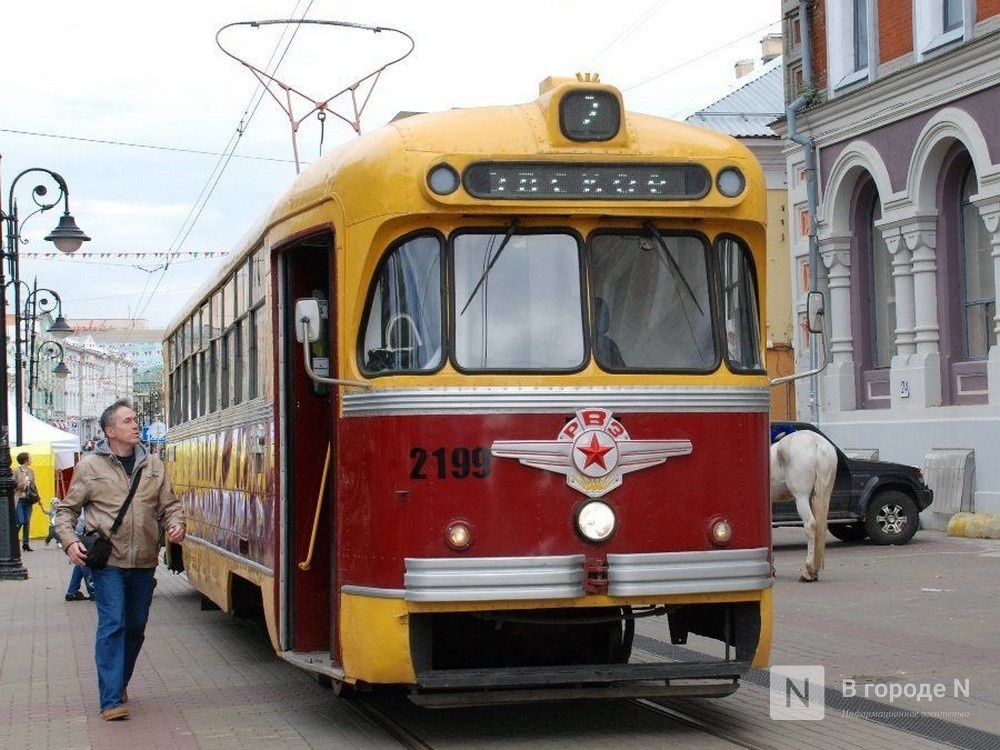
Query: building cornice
{"x": 922, "y": 87}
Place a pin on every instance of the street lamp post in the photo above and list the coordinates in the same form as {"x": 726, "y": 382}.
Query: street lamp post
{"x": 47, "y": 350}
{"x": 68, "y": 238}
{"x": 37, "y": 301}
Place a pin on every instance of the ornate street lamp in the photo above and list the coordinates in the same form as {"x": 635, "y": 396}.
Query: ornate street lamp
{"x": 37, "y": 301}
{"x": 68, "y": 238}
{"x": 47, "y": 350}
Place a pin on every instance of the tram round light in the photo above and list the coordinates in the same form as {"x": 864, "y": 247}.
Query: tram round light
{"x": 730, "y": 182}
{"x": 459, "y": 535}
{"x": 721, "y": 532}
{"x": 596, "y": 521}
{"x": 443, "y": 179}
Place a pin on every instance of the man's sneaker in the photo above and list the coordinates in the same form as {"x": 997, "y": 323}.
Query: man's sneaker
{"x": 77, "y": 597}
{"x": 115, "y": 713}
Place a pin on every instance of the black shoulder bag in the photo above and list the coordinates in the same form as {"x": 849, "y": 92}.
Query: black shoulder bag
{"x": 97, "y": 545}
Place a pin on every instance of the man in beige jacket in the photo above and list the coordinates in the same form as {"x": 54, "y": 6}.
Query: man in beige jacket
{"x": 124, "y": 589}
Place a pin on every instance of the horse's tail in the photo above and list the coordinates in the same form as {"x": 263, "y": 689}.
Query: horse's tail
{"x": 819, "y": 501}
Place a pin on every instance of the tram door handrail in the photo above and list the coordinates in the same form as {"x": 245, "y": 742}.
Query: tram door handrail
{"x": 307, "y": 563}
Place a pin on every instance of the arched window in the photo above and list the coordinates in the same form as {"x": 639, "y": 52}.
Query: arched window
{"x": 978, "y": 291}
{"x": 883, "y": 294}
{"x": 873, "y": 299}
{"x": 966, "y": 296}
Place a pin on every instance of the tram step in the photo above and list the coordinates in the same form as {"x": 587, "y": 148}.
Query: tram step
{"x": 584, "y": 674}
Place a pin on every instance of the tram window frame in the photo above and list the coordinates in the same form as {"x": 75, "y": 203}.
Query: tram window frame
{"x": 194, "y": 393}
{"x": 224, "y": 371}
{"x": 213, "y": 376}
{"x": 195, "y": 322}
{"x": 175, "y": 395}
{"x": 237, "y": 369}
{"x": 241, "y": 280}
{"x": 229, "y": 300}
{"x": 255, "y": 364}
{"x": 258, "y": 276}
{"x": 458, "y": 300}
{"x": 709, "y": 299}
{"x": 204, "y": 386}
{"x": 206, "y": 323}
{"x": 750, "y": 329}
{"x": 366, "y": 351}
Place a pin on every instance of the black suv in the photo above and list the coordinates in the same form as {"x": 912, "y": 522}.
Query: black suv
{"x": 879, "y": 500}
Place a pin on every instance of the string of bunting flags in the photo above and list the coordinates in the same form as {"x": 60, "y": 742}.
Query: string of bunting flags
{"x": 196, "y": 254}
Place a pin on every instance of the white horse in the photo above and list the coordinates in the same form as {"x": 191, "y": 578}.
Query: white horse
{"x": 804, "y": 466}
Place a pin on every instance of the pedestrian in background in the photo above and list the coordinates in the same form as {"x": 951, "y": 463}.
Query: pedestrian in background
{"x": 81, "y": 573}
{"x": 102, "y": 481}
{"x": 24, "y": 476}
{"x": 53, "y": 508}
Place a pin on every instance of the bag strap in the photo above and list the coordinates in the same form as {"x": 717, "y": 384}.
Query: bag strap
{"x": 128, "y": 500}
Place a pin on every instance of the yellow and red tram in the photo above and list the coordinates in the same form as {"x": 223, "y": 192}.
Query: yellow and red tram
{"x": 485, "y": 387}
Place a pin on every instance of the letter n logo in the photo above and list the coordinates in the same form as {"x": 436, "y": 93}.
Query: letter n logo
{"x": 798, "y": 693}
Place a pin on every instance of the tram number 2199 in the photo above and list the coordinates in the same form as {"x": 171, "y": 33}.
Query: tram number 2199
{"x": 457, "y": 463}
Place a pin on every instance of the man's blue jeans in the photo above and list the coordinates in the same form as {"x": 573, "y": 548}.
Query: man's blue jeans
{"x": 123, "y": 599}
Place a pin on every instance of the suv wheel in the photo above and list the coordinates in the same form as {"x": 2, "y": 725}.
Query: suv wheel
{"x": 848, "y": 532}
{"x": 892, "y": 518}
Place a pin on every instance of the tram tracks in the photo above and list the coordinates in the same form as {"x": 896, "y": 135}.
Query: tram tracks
{"x": 639, "y": 724}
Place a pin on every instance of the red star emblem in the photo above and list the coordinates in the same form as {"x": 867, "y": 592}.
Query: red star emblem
{"x": 594, "y": 452}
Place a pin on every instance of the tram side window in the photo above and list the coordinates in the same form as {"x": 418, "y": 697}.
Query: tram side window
{"x": 739, "y": 300}
{"x": 213, "y": 375}
{"x": 518, "y": 301}
{"x": 403, "y": 323}
{"x": 254, "y": 362}
{"x": 236, "y": 344}
{"x": 652, "y": 306}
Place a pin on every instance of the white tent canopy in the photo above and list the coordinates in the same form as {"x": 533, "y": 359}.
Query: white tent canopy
{"x": 33, "y": 430}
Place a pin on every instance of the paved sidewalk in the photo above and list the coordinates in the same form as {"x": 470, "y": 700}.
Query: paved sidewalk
{"x": 924, "y": 613}
{"x": 203, "y": 679}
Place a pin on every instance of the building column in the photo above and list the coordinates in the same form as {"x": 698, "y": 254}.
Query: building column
{"x": 839, "y": 379}
{"x": 917, "y": 379}
{"x": 905, "y": 323}
{"x": 990, "y": 211}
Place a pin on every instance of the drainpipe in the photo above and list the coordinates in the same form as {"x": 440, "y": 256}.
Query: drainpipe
{"x": 812, "y": 187}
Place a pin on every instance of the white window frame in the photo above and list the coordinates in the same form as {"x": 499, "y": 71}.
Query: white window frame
{"x": 929, "y": 36}
{"x": 840, "y": 45}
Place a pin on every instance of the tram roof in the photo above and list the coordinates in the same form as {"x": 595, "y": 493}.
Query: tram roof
{"x": 362, "y": 165}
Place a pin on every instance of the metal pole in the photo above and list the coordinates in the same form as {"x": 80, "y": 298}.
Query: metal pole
{"x": 67, "y": 238}
{"x": 31, "y": 303}
{"x": 10, "y": 551}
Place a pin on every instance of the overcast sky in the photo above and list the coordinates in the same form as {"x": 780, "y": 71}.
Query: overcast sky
{"x": 134, "y": 104}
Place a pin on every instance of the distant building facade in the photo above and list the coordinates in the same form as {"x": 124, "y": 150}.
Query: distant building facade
{"x": 108, "y": 359}
{"x": 900, "y": 110}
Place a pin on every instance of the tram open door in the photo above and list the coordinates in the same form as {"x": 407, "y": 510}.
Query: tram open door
{"x": 306, "y": 509}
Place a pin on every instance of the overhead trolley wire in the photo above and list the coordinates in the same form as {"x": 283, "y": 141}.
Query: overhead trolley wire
{"x": 213, "y": 180}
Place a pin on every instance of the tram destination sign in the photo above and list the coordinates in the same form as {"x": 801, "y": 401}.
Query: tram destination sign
{"x": 574, "y": 181}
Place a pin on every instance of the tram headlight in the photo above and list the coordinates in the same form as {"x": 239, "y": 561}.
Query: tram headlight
{"x": 720, "y": 531}
{"x": 458, "y": 535}
{"x": 730, "y": 182}
{"x": 442, "y": 179}
{"x": 596, "y": 521}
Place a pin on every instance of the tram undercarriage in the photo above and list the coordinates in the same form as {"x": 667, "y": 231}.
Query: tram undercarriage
{"x": 536, "y": 655}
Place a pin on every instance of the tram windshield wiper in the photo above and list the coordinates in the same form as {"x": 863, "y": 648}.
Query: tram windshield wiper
{"x": 668, "y": 258}
{"x": 496, "y": 256}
